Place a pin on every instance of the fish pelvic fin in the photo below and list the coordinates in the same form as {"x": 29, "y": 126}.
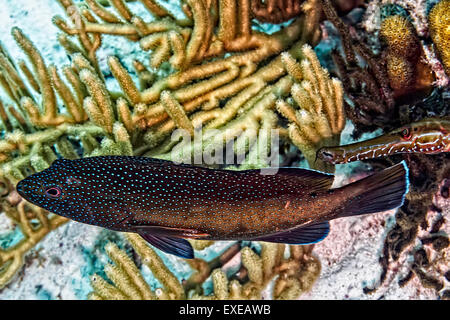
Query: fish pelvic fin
{"x": 379, "y": 192}
{"x": 176, "y": 246}
{"x": 170, "y": 240}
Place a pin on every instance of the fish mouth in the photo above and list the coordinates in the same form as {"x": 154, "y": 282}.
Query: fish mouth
{"x": 325, "y": 155}
{"x": 26, "y": 189}
{"x": 333, "y": 156}
{"x": 22, "y": 189}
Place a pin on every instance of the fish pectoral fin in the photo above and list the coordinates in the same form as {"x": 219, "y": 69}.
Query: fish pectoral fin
{"x": 307, "y": 234}
{"x": 171, "y": 232}
{"x": 176, "y": 246}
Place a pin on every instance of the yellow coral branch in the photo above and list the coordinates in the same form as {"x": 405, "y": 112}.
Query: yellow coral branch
{"x": 154, "y": 262}
{"x": 321, "y": 117}
{"x": 12, "y": 259}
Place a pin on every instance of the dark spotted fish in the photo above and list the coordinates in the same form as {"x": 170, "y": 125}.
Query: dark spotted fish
{"x": 428, "y": 136}
{"x": 166, "y": 202}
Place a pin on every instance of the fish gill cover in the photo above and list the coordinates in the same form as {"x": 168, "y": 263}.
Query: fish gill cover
{"x": 94, "y": 78}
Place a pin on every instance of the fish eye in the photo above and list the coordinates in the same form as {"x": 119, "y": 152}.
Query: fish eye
{"x": 53, "y": 192}
{"x": 406, "y": 133}
{"x": 327, "y": 154}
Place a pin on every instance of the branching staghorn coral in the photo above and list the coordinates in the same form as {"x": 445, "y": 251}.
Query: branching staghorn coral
{"x": 296, "y": 274}
{"x": 46, "y": 81}
{"x": 321, "y": 117}
{"x": 223, "y": 75}
{"x": 127, "y": 279}
{"x": 258, "y": 46}
{"x": 293, "y": 275}
{"x": 182, "y": 41}
{"x": 203, "y": 87}
{"x": 23, "y": 215}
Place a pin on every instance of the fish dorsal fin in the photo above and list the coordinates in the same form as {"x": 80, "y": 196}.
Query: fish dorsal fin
{"x": 308, "y": 234}
{"x": 138, "y": 162}
{"x": 311, "y": 178}
{"x": 176, "y": 246}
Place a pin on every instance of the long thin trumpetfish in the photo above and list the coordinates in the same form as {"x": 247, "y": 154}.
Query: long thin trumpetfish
{"x": 166, "y": 202}
{"x": 428, "y": 136}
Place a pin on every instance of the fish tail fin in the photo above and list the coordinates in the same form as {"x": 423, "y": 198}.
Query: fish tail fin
{"x": 379, "y": 192}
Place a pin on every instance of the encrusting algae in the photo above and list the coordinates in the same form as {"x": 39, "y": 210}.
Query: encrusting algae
{"x": 213, "y": 73}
